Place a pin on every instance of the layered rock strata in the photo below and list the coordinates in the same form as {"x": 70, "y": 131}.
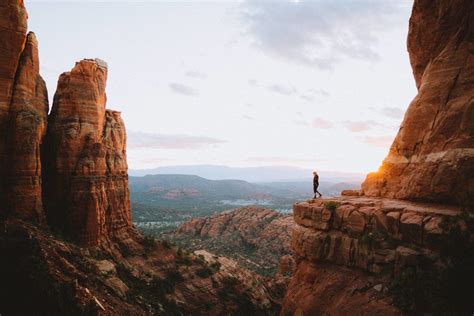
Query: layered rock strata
{"x": 27, "y": 121}
{"x": 371, "y": 240}
{"x": 13, "y": 27}
{"x": 432, "y": 157}
{"x": 86, "y": 181}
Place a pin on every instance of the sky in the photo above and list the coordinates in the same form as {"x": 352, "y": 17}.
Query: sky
{"x": 313, "y": 84}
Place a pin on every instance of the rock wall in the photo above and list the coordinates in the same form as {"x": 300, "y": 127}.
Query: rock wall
{"x": 26, "y": 128}
{"x": 23, "y": 116}
{"x": 432, "y": 157}
{"x": 13, "y": 27}
{"x": 86, "y": 181}
{"x": 349, "y": 251}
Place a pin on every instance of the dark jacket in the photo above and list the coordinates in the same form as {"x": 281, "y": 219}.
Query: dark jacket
{"x": 315, "y": 182}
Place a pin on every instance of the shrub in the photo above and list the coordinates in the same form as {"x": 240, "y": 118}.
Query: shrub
{"x": 204, "y": 272}
{"x": 332, "y": 205}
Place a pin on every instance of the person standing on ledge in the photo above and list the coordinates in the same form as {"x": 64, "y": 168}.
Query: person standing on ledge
{"x": 316, "y": 185}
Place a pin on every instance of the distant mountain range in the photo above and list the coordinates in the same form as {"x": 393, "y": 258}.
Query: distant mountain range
{"x": 251, "y": 174}
{"x": 168, "y": 199}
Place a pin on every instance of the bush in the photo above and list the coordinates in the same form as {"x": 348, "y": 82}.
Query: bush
{"x": 332, "y": 205}
{"x": 148, "y": 242}
{"x": 204, "y": 272}
{"x": 166, "y": 244}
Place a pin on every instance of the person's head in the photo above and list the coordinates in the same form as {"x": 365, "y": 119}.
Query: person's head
{"x": 314, "y": 173}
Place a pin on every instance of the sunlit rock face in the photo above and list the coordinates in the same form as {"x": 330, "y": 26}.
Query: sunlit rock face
{"x": 23, "y": 116}
{"x": 432, "y": 157}
{"x": 86, "y": 182}
{"x": 26, "y": 128}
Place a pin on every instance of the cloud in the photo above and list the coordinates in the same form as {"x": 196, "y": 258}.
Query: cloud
{"x": 253, "y": 83}
{"x": 392, "y": 112}
{"x": 183, "y": 89}
{"x": 141, "y": 140}
{"x": 285, "y": 160}
{"x": 378, "y": 141}
{"x": 310, "y": 95}
{"x": 359, "y": 126}
{"x": 195, "y": 74}
{"x": 285, "y": 90}
{"x": 321, "y": 33}
{"x": 322, "y": 123}
{"x": 301, "y": 122}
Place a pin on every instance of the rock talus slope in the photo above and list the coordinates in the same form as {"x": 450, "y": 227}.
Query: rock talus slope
{"x": 432, "y": 157}
{"x": 255, "y": 237}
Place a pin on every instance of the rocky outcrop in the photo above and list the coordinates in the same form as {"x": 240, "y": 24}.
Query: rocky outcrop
{"x": 432, "y": 157}
{"x": 23, "y": 111}
{"x": 26, "y": 128}
{"x": 77, "y": 173}
{"x": 255, "y": 237}
{"x": 13, "y": 27}
{"x": 351, "y": 244}
{"x": 86, "y": 181}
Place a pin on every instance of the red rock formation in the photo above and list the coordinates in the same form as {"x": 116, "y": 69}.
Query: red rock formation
{"x": 13, "y": 26}
{"x": 345, "y": 246}
{"x": 86, "y": 182}
{"x": 26, "y": 128}
{"x": 232, "y": 233}
{"x": 432, "y": 157}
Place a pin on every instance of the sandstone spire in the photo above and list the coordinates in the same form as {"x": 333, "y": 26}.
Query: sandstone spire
{"x": 86, "y": 182}
{"x": 26, "y": 127}
{"x": 13, "y": 26}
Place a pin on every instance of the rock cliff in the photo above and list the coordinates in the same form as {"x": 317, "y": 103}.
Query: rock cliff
{"x": 368, "y": 253}
{"x": 23, "y": 112}
{"x": 432, "y": 157}
{"x": 360, "y": 250}
{"x": 27, "y": 121}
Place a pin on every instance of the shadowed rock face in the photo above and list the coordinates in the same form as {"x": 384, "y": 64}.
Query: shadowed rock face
{"x": 26, "y": 128}
{"x": 23, "y": 116}
{"x": 86, "y": 182}
{"x": 432, "y": 157}
{"x": 13, "y": 26}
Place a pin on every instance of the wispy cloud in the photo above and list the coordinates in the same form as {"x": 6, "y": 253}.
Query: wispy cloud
{"x": 320, "y": 33}
{"x": 195, "y": 74}
{"x": 359, "y": 126}
{"x": 322, "y": 123}
{"x": 253, "y": 83}
{"x": 281, "y": 89}
{"x": 286, "y": 160}
{"x": 378, "y": 141}
{"x": 183, "y": 89}
{"x": 141, "y": 140}
{"x": 392, "y": 112}
{"x": 312, "y": 94}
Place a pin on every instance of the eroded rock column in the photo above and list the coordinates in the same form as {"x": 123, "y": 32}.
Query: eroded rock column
{"x": 86, "y": 178}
